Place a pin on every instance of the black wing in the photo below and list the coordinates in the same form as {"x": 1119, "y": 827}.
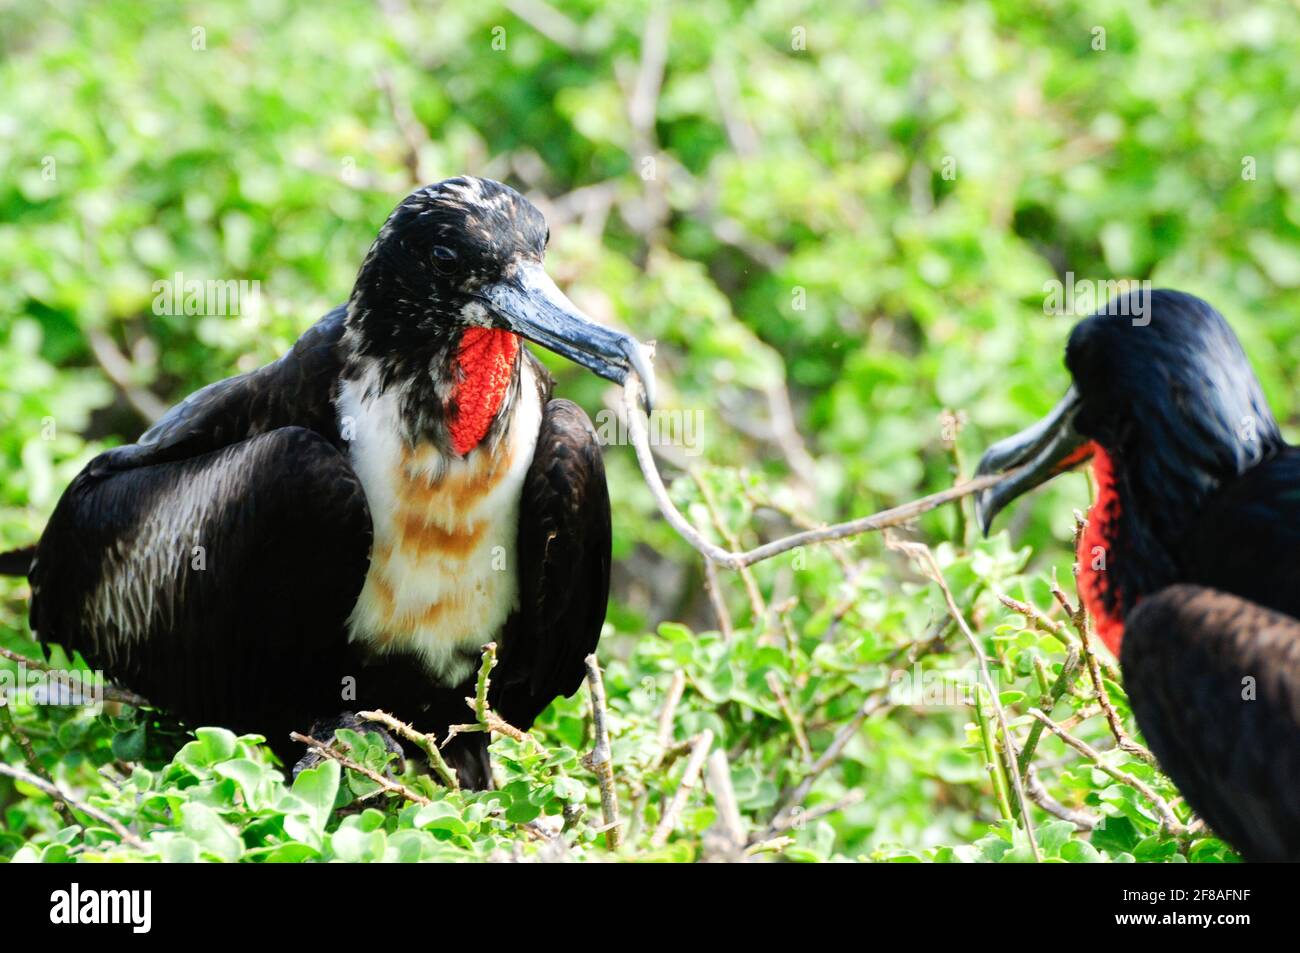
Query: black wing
{"x": 217, "y": 586}
{"x": 1246, "y": 539}
{"x": 1214, "y": 681}
{"x": 563, "y": 560}
{"x": 223, "y": 550}
{"x": 295, "y": 391}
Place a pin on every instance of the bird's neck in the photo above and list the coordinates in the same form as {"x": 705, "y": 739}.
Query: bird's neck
{"x": 451, "y": 389}
{"x": 1147, "y": 497}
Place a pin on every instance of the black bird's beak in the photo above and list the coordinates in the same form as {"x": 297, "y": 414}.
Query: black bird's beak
{"x": 530, "y": 305}
{"x": 1049, "y": 447}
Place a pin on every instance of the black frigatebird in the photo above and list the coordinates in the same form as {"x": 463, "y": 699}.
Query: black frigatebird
{"x": 1190, "y": 561}
{"x": 346, "y": 527}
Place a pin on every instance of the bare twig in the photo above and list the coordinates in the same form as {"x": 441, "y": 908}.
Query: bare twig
{"x": 789, "y": 804}
{"x": 740, "y": 133}
{"x": 601, "y": 760}
{"x": 756, "y": 604}
{"x": 923, "y": 555}
{"x": 791, "y": 799}
{"x": 713, "y": 586}
{"x": 1168, "y": 818}
{"x": 387, "y": 784}
{"x": 729, "y": 828}
{"x": 426, "y": 743}
{"x": 792, "y": 716}
{"x": 1035, "y": 616}
{"x": 664, "y": 734}
{"x": 1079, "y": 619}
{"x": 119, "y": 369}
{"x": 111, "y": 693}
{"x": 10, "y": 724}
{"x": 895, "y": 516}
{"x": 700, "y": 746}
{"x": 548, "y": 21}
{"x": 414, "y": 135}
{"x": 802, "y": 817}
{"x": 1068, "y": 671}
{"x": 486, "y": 720}
{"x": 52, "y": 790}
{"x": 1082, "y": 820}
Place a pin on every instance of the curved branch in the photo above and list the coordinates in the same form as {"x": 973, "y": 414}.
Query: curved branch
{"x": 895, "y": 516}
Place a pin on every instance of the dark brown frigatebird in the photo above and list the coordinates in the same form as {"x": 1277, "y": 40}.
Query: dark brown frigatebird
{"x": 348, "y": 526}
{"x": 1190, "y": 561}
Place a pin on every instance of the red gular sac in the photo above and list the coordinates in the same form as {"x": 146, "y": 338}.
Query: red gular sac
{"x": 485, "y": 361}
{"x": 1096, "y": 548}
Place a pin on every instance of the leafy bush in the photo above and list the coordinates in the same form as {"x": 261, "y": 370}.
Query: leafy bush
{"x": 796, "y": 237}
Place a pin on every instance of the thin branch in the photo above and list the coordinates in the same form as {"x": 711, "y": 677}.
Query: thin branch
{"x": 601, "y": 759}
{"x": 10, "y": 724}
{"x": 110, "y": 692}
{"x": 895, "y": 516}
{"x": 485, "y": 719}
{"x": 791, "y": 799}
{"x": 1169, "y": 819}
{"x": 700, "y": 746}
{"x": 926, "y": 558}
{"x": 1039, "y": 619}
{"x": 795, "y": 819}
{"x": 664, "y": 734}
{"x": 426, "y": 743}
{"x": 729, "y": 826}
{"x": 1048, "y": 702}
{"x": 387, "y": 784}
{"x": 713, "y": 586}
{"x": 792, "y": 716}
{"x": 119, "y": 369}
{"x": 1079, "y": 619}
{"x": 757, "y": 607}
{"x": 790, "y": 803}
{"x": 1082, "y": 820}
{"x": 414, "y": 135}
{"x": 52, "y": 790}
{"x": 548, "y": 21}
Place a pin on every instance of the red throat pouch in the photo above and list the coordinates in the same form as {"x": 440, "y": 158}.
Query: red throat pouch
{"x": 1096, "y": 551}
{"x": 483, "y": 364}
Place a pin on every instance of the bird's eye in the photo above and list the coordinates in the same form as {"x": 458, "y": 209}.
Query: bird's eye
{"x": 547, "y": 242}
{"x": 444, "y": 259}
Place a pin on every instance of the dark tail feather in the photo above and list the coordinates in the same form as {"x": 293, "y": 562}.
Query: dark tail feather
{"x": 17, "y": 562}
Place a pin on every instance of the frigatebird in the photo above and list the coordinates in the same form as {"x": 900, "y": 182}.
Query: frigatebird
{"x": 1190, "y": 560}
{"x": 348, "y": 526}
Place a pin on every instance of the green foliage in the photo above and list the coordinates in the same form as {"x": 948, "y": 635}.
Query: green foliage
{"x": 799, "y": 232}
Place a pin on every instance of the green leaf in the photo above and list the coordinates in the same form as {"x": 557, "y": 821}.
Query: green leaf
{"x": 215, "y": 838}
{"x": 317, "y": 788}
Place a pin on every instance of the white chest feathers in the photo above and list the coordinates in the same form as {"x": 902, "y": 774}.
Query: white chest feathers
{"x": 443, "y": 577}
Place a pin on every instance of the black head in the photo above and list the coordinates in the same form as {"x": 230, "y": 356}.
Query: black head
{"x": 467, "y": 252}
{"x": 1162, "y": 385}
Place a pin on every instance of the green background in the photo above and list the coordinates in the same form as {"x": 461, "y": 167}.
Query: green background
{"x": 852, "y": 207}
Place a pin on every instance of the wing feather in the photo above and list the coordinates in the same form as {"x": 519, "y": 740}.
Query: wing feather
{"x": 1214, "y": 681}
{"x": 563, "y": 560}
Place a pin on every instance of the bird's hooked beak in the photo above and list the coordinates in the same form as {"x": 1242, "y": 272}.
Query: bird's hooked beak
{"x": 1049, "y": 447}
{"x": 529, "y": 304}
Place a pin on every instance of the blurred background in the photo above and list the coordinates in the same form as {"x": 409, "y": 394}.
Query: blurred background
{"x": 836, "y": 219}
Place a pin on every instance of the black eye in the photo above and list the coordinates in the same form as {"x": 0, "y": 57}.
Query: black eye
{"x": 546, "y": 244}
{"x": 444, "y": 259}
